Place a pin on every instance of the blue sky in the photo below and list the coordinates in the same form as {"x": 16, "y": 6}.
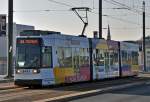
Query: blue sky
{"x": 124, "y": 24}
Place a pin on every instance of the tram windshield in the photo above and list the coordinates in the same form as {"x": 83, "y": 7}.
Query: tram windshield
{"x": 28, "y": 56}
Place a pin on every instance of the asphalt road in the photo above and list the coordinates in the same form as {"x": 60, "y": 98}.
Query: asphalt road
{"x": 43, "y": 94}
{"x": 140, "y": 93}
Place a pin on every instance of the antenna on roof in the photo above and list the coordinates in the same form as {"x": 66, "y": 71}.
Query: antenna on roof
{"x": 84, "y": 18}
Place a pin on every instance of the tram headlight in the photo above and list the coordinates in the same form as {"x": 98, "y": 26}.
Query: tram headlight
{"x": 35, "y": 71}
{"x": 18, "y": 71}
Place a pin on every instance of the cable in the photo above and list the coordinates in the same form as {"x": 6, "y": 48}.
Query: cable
{"x": 124, "y": 6}
{"x": 123, "y": 20}
{"x": 127, "y": 7}
{"x": 61, "y": 3}
{"x": 133, "y": 28}
{"x": 47, "y": 10}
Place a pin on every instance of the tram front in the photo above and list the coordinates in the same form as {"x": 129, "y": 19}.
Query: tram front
{"x": 28, "y": 62}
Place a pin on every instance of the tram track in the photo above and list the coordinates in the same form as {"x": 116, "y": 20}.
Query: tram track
{"x": 30, "y": 94}
{"x": 24, "y": 94}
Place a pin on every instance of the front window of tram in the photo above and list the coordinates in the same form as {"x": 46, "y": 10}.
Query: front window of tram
{"x": 28, "y": 56}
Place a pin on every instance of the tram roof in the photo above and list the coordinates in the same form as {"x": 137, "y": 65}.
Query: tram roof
{"x": 47, "y": 34}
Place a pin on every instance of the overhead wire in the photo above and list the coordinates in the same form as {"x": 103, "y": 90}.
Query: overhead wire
{"x": 137, "y": 11}
{"x": 121, "y": 5}
{"x": 127, "y": 7}
{"x": 116, "y": 18}
{"x": 46, "y": 10}
{"x": 61, "y": 3}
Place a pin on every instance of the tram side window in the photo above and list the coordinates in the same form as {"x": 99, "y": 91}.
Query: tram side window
{"x": 129, "y": 58}
{"x": 76, "y": 53}
{"x": 107, "y": 60}
{"x": 46, "y": 57}
{"x": 135, "y": 58}
{"x": 64, "y": 57}
{"x": 111, "y": 57}
{"x": 99, "y": 60}
{"x": 124, "y": 57}
{"x": 84, "y": 57}
{"x": 114, "y": 58}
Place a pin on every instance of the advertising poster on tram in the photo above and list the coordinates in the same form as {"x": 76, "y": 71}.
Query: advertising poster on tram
{"x": 105, "y": 59}
{"x": 129, "y": 58}
{"x": 135, "y": 66}
{"x": 100, "y": 62}
{"x": 125, "y": 59}
{"x": 113, "y": 58}
{"x": 73, "y": 63}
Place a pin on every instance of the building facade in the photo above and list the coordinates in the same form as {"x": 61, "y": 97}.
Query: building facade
{"x": 3, "y": 55}
{"x": 17, "y": 28}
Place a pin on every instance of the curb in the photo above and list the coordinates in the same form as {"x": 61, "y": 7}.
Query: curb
{"x": 77, "y": 95}
{"x": 6, "y": 80}
{"x": 3, "y": 81}
{"x": 9, "y": 87}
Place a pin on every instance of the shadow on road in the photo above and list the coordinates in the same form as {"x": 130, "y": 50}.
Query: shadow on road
{"x": 142, "y": 90}
{"x": 86, "y": 86}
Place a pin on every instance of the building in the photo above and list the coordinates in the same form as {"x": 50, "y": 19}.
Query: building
{"x": 17, "y": 28}
{"x": 3, "y": 55}
{"x": 147, "y": 52}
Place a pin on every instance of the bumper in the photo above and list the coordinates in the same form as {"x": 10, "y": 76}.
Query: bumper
{"x": 35, "y": 82}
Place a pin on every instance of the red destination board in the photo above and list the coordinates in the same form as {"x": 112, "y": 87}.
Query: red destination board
{"x": 28, "y": 41}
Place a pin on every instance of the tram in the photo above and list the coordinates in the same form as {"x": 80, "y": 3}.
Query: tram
{"x": 50, "y": 58}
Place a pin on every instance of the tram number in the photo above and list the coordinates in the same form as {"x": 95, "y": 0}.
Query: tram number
{"x": 26, "y": 71}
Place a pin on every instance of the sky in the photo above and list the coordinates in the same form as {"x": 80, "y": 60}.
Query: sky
{"x": 125, "y": 24}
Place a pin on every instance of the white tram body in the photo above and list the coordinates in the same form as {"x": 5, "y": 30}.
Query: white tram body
{"x": 49, "y": 58}
{"x": 62, "y": 59}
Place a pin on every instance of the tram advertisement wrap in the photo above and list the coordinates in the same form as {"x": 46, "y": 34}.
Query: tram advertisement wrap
{"x": 129, "y": 59}
{"x": 106, "y": 59}
{"x": 113, "y": 48}
{"x": 69, "y": 75}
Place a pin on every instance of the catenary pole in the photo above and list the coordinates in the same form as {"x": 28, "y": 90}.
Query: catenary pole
{"x": 10, "y": 38}
{"x": 144, "y": 36}
{"x": 100, "y": 19}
